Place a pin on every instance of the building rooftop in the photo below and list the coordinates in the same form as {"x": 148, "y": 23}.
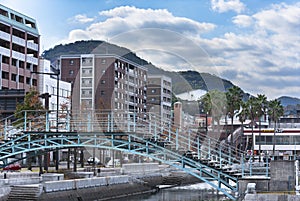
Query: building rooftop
{"x": 18, "y": 20}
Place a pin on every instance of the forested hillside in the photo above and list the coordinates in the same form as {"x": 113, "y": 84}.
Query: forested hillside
{"x": 182, "y": 81}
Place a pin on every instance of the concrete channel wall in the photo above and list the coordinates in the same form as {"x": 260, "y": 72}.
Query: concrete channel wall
{"x": 74, "y": 184}
{"x": 270, "y": 197}
{"x": 140, "y": 168}
{"x": 19, "y": 178}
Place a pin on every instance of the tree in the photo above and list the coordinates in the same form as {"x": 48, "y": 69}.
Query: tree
{"x": 275, "y": 110}
{"x": 234, "y": 98}
{"x": 31, "y": 104}
{"x": 243, "y": 115}
{"x": 261, "y": 107}
{"x": 214, "y": 103}
{"x": 251, "y": 103}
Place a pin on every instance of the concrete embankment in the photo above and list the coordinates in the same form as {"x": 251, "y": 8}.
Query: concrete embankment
{"x": 131, "y": 179}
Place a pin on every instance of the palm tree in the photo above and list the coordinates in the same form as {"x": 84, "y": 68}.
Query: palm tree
{"x": 214, "y": 104}
{"x": 251, "y": 103}
{"x": 243, "y": 115}
{"x": 261, "y": 108}
{"x": 234, "y": 98}
{"x": 275, "y": 110}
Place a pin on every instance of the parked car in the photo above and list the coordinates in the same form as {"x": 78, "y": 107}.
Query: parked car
{"x": 92, "y": 160}
{"x": 12, "y": 167}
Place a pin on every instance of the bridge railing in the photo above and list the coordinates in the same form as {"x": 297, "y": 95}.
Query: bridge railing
{"x": 201, "y": 146}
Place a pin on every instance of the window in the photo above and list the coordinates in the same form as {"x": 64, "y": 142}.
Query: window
{"x": 71, "y": 62}
{"x": 5, "y": 75}
{"x": 21, "y": 64}
{"x": 21, "y": 79}
{"x": 71, "y": 72}
{"x": 5, "y": 59}
{"x": 103, "y": 61}
{"x": 27, "y": 80}
{"x": 3, "y": 12}
{"x": 102, "y": 92}
{"x": 14, "y": 62}
{"x": 153, "y": 90}
{"x": 53, "y": 89}
{"x": 102, "y": 81}
{"x": 14, "y": 77}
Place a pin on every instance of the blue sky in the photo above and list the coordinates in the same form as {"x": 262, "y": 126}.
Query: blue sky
{"x": 255, "y": 44}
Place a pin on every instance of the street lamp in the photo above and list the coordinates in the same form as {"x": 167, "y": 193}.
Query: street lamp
{"x": 57, "y": 104}
{"x": 57, "y": 91}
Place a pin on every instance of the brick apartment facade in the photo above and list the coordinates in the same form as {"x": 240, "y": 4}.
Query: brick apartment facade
{"x": 19, "y": 50}
{"x": 105, "y": 82}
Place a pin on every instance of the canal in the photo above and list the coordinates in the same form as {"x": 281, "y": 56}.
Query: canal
{"x": 195, "y": 192}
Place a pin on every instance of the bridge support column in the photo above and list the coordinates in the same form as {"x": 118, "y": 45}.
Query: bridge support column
{"x": 46, "y": 160}
{"x": 198, "y": 148}
{"x": 177, "y": 145}
{"x": 169, "y": 132}
{"x": 40, "y": 162}
{"x": 56, "y": 159}
{"x": 75, "y": 160}
{"x": 189, "y": 145}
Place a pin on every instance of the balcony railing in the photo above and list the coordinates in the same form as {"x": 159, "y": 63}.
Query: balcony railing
{"x": 32, "y": 45}
{"x": 32, "y": 59}
{"x": 4, "y": 36}
{"x": 4, "y": 51}
{"x": 19, "y": 41}
{"x": 18, "y": 55}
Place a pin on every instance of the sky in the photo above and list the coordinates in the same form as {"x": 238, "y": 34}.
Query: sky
{"x": 254, "y": 44}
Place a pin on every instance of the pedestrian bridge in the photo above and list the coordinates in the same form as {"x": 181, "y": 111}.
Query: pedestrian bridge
{"x": 194, "y": 152}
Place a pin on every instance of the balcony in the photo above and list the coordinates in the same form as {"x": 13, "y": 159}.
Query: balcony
{"x": 32, "y": 46}
{"x": 18, "y": 55}
{"x": 166, "y": 103}
{"x": 18, "y": 41}
{"x": 4, "y": 36}
{"x": 32, "y": 60}
{"x": 4, "y": 51}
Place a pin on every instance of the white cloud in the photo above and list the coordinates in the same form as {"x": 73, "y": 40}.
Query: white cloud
{"x": 263, "y": 60}
{"x": 242, "y": 20}
{"x": 280, "y": 19}
{"x": 227, "y": 5}
{"x": 81, "y": 18}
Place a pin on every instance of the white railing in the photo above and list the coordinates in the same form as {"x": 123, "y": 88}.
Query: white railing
{"x": 18, "y": 55}
{"x": 4, "y": 51}
{"x": 32, "y": 59}
{"x": 4, "y": 36}
{"x": 32, "y": 45}
{"x": 19, "y": 41}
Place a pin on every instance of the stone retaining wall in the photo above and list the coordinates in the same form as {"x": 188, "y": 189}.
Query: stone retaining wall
{"x": 74, "y": 184}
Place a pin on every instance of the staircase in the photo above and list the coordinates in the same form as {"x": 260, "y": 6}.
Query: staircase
{"x": 25, "y": 192}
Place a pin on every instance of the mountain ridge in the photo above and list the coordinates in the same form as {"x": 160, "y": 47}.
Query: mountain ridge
{"x": 183, "y": 81}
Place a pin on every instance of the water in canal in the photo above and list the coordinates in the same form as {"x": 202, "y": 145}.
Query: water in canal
{"x": 195, "y": 192}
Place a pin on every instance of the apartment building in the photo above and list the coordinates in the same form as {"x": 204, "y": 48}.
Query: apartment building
{"x": 48, "y": 84}
{"x": 159, "y": 96}
{"x": 105, "y": 82}
{"x": 19, "y": 50}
